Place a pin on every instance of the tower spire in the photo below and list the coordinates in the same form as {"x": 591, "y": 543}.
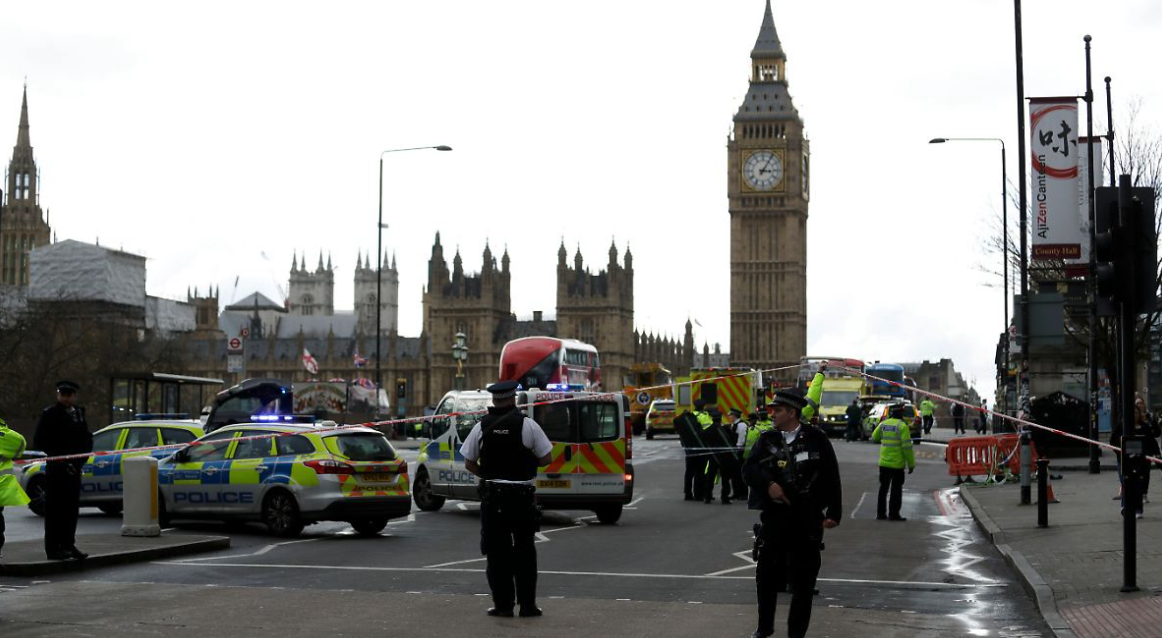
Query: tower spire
{"x": 767, "y": 45}
{"x": 22, "y": 137}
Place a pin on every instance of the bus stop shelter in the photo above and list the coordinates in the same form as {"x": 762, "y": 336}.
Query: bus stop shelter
{"x": 158, "y": 393}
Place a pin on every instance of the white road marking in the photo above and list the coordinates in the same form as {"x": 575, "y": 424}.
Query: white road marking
{"x": 357, "y": 568}
{"x": 858, "y": 505}
{"x": 410, "y": 519}
{"x": 257, "y": 553}
{"x": 457, "y": 562}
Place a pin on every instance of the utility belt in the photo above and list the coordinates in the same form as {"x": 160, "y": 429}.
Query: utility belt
{"x": 496, "y": 489}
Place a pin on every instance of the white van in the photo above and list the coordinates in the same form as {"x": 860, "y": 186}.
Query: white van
{"x": 591, "y": 466}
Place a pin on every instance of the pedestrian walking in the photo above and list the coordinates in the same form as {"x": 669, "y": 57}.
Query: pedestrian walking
{"x": 1147, "y": 429}
{"x": 958, "y": 418}
{"x": 63, "y": 431}
{"x": 928, "y": 413}
{"x": 854, "y": 416}
{"x": 505, "y": 449}
{"x": 983, "y": 418}
{"x": 11, "y": 448}
{"x": 895, "y": 454}
{"x": 794, "y": 479}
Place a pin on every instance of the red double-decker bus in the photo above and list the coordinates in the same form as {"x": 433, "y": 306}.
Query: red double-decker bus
{"x": 549, "y": 363}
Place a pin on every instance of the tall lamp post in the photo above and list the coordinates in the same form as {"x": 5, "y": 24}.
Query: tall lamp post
{"x": 1004, "y": 240}
{"x": 379, "y": 261}
{"x": 460, "y": 355}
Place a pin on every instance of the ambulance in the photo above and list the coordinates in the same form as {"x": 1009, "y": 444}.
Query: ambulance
{"x": 591, "y": 466}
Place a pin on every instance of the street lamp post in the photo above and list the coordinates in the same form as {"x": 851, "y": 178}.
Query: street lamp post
{"x": 1004, "y": 238}
{"x": 460, "y": 355}
{"x": 379, "y": 262}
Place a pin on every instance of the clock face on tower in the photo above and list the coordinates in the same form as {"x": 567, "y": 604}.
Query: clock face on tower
{"x": 763, "y": 170}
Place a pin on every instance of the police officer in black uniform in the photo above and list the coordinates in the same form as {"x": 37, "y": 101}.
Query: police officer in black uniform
{"x": 794, "y": 480}
{"x": 504, "y": 450}
{"x": 689, "y": 432}
{"x": 62, "y": 431}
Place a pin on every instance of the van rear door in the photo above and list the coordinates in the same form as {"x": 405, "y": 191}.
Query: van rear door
{"x": 601, "y": 448}
{"x": 559, "y": 421}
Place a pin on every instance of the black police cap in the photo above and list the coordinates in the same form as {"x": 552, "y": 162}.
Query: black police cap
{"x": 789, "y": 399}
{"x": 503, "y": 389}
{"x": 736, "y": 412}
{"x": 67, "y": 387}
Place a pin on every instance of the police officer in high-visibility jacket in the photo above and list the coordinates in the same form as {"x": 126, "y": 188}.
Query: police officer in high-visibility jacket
{"x": 814, "y": 393}
{"x": 794, "y": 479}
{"x": 756, "y": 429}
{"x": 11, "y": 448}
{"x": 504, "y": 450}
{"x": 895, "y": 454}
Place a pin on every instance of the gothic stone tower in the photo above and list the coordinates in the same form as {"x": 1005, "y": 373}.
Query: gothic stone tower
{"x": 477, "y": 305}
{"x": 365, "y": 296}
{"x": 312, "y": 293}
{"x": 767, "y": 185}
{"x": 22, "y": 225}
{"x": 598, "y": 309}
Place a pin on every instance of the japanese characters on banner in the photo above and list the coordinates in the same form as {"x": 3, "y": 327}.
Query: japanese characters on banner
{"x": 1054, "y": 150}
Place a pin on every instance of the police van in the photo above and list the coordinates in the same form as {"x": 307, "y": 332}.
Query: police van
{"x": 591, "y": 466}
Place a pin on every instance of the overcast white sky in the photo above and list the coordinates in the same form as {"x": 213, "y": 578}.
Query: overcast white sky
{"x": 218, "y": 138}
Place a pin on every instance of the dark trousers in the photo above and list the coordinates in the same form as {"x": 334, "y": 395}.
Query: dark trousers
{"x": 62, "y": 502}
{"x": 733, "y": 487}
{"x": 782, "y": 562}
{"x": 1, "y": 528}
{"x": 710, "y": 471}
{"x": 958, "y": 425}
{"x": 692, "y": 481}
{"x": 508, "y": 525}
{"x": 928, "y": 424}
{"x": 852, "y": 432}
{"x": 890, "y": 479}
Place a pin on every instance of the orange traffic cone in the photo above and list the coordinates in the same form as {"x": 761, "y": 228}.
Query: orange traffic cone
{"x": 1050, "y": 497}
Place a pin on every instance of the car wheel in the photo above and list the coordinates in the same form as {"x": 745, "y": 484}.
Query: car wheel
{"x": 112, "y": 509}
{"x": 280, "y": 513}
{"x": 423, "y": 495}
{"x": 369, "y": 527}
{"x": 608, "y": 514}
{"x": 36, "y": 495}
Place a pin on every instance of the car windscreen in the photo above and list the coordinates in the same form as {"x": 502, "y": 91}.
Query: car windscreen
{"x": 364, "y": 446}
{"x": 833, "y": 397}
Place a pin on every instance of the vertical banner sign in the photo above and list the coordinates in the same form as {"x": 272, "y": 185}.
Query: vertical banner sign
{"x": 1054, "y": 149}
{"x": 1083, "y": 144}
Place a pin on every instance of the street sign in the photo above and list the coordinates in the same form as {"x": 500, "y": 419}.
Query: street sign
{"x": 244, "y": 332}
{"x": 234, "y": 346}
{"x": 234, "y": 364}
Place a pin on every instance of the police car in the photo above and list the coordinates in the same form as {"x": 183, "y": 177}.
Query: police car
{"x": 591, "y": 466}
{"x": 287, "y": 476}
{"x": 101, "y": 484}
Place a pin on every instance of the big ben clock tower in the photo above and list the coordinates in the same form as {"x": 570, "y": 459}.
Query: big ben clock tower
{"x": 767, "y": 184}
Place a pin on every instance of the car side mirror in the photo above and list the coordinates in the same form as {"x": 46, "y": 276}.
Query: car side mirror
{"x": 182, "y": 455}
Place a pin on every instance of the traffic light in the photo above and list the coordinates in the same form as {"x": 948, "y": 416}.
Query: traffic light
{"x": 401, "y": 388}
{"x": 1125, "y": 249}
{"x": 1144, "y": 293}
{"x": 1108, "y": 252}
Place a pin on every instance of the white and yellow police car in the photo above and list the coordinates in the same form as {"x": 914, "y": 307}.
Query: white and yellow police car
{"x": 101, "y": 484}
{"x": 287, "y": 476}
{"x": 591, "y": 466}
